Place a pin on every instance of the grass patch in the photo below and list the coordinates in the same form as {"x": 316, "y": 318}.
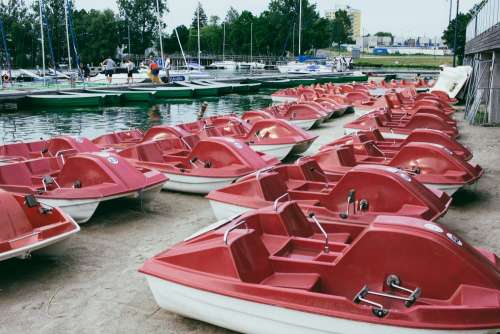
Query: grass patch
{"x": 424, "y": 62}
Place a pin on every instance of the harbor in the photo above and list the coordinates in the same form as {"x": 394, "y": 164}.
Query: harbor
{"x": 272, "y": 167}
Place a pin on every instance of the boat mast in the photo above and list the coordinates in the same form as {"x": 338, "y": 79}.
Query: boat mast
{"x": 159, "y": 31}
{"x": 67, "y": 33}
{"x": 224, "y": 42}
{"x": 251, "y": 43}
{"x": 300, "y": 26}
{"x": 199, "y": 48}
{"x": 180, "y": 45}
{"x": 42, "y": 39}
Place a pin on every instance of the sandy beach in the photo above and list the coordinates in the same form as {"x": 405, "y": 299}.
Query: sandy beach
{"x": 94, "y": 287}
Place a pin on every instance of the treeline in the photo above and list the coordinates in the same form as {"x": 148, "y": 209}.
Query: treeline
{"x": 100, "y": 34}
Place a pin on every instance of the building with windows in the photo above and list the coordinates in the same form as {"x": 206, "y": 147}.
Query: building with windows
{"x": 354, "y": 15}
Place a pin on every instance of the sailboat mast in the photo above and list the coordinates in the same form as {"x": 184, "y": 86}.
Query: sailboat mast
{"x": 224, "y": 42}
{"x": 199, "y": 48}
{"x": 67, "y": 33}
{"x": 180, "y": 46}
{"x": 159, "y": 31}
{"x": 251, "y": 42}
{"x": 300, "y": 27}
{"x": 42, "y": 39}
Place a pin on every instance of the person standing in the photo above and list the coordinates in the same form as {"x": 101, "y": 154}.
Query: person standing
{"x": 130, "y": 69}
{"x": 109, "y": 66}
{"x": 155, "y": 72}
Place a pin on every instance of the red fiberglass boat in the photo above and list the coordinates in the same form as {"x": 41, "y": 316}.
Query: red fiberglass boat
{"x": 305, "y": 116}
{"x": 275, "y": 137}
{"x": 210, "y": 164}
{"x": 433, "y": 165}
{"x": 277, "y": 270}
{"x": 305, "y": 182}
{"x": 78, "y": 183}
{"x": 26, "y": 226}
{"x": 399, "y": 128}
{"x": 389, "y": 147}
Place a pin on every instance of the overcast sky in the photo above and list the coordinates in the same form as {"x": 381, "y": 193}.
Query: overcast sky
{"x": 401, "y": 17}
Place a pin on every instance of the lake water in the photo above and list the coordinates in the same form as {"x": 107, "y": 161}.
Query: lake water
{"x": 23, "y": 125}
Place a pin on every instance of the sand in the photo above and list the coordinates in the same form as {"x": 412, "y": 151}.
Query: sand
{"x": 94, "y": 286}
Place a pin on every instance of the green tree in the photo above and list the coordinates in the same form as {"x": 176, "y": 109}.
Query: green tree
{"x": 203, "y": 17}
{"x": 383, "y": 34}
{"x": 341, "y": 28}
{"x": 232, "y": 15}
{"x": 141, "y": 16}
{"x": 462, "y": 21}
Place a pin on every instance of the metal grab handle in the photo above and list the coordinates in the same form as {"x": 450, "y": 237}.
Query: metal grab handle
{"x": 277, "y": 200}
{"x": 46, "y": 180}
{"x": 261, "y": 171}
{"x": 61, "y": 152}
{"x": 183, "y": 140}
{"x": 326, "y": 249}
{"x": 226, "y": 233}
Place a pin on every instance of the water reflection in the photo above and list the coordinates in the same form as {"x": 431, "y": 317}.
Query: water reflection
{"x": 32, "y": 125}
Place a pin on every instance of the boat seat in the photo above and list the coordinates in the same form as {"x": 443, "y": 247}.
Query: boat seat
{"x": 150, "y": 152}
{"x": 300, "y": 281}
{"x": 15, "y": 174}
{"x": 272, "y": 186}
{"x": 14, "y": 221}
{"x": 15, "y": 150}
{"x": 340, "y": 238}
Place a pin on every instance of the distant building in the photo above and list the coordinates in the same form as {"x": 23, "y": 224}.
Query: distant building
{"x": 354, "y": 15}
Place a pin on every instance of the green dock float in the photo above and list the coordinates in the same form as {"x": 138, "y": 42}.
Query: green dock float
{"x": 109, "y": 99}
{"x": 128, "y": 95}
{"x": 58, "y": 101}
{"x": 200, "y": 91}
{"x": 168, "y": 92}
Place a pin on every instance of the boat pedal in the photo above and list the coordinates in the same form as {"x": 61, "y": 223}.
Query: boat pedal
{"x": 31, "y": 201}
{"x": 394, "y": 283}
{"x": 77, "y": 184}
{"x": 377, "y": 309}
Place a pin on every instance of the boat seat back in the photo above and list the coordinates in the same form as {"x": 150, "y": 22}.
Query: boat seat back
{"x": 250, "y": 257}
{"x": 14, "y": 221}
{"x": 272, "y": 186}
{"x": 311, "y": 170}
{"x": 150, "y": 152}
{"x": 346, "y": 156}
{"x": 16, "y": 174}
{"x": 295, "y": 222}
{"x": 43, "y": 166}
{"x": 15, "y": 150}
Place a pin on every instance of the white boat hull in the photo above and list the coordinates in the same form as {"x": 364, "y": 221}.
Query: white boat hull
{"x": 279, "y": 151}
{"x": 386, "y": 135}
{"x": 284, "y": 99}
{"x": 43, "y": 246}
{"x": 195, "y": 184}
{"x": 223, "y": 210}
{"x": 305, "y": 124}
{"x": 251, "y": 317}
{"x": 81, "y": 210}
{"x": 449, "y": 189}
{"x": 359, "y": 112}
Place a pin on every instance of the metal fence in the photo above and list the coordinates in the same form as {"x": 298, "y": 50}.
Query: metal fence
{"x": 486, "y": 18}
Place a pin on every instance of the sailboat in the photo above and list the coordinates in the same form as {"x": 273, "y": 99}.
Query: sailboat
{"x": 224, "y": 64}
{"x": 302, "y": 64}
{"x": 251, "y": 65}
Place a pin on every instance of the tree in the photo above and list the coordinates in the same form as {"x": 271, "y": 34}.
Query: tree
{"x": 383, "y": 34}
{"x": 141, "y": 16}
{"x": 341, "y": 28}
{"x": 214, "y": 20}
{"x": 462, "y": 21}
{"x": 203, "y": 17}
{"x": 232, "y": 15}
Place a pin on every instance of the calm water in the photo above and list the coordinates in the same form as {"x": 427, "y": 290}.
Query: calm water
{"x": 24, "y": 125}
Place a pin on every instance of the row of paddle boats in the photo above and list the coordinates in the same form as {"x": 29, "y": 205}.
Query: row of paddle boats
{"x": 334, "y": 242}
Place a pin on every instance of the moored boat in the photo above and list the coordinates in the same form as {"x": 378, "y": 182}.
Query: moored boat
{"x": 278, "y": 270}
{"x": 26, "y": 226}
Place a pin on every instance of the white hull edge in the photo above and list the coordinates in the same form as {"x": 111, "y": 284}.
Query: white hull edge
{"x": 195, "y": 184}
{"x": 386, "y": 135}
{"x": 283, "y": 99}
{"x": 80, "y": 210}
{"x": 24, "y": 252}
{"x": 449, "y": 189}
{"x": 250, "y": 317}
{"x": 223, "y": 210}
{"x": 279, "y": 151}
{"x": 305, "y": 124}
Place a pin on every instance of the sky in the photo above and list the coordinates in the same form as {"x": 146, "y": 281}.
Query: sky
{"x": 400, "y": 17}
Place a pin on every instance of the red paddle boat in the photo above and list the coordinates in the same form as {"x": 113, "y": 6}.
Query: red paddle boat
{"x": 210, "y": 164}
{"x": 431, "y": 164}
{"x": 390, "y": 191}
{"x": 27, "y": 227}
{"x": 78, "y": 184}
{"x": 392, "y": 127}
{"x": 303, "y": 115}
{"x": 279, "y": 270}
{"x": 389, "y": 147}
